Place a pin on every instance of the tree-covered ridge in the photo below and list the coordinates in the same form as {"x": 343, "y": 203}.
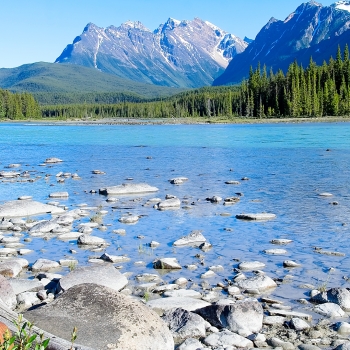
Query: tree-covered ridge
{"x": 18, "y": 106}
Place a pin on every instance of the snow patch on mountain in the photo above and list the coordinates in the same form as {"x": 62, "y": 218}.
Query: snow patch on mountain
{"x": 343, "y": 5}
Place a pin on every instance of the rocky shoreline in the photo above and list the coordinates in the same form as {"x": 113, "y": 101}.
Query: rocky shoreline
{"x": 114, "y": 310}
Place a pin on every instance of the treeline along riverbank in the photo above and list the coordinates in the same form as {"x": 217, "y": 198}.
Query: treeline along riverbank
{"x": 314, "y": 91}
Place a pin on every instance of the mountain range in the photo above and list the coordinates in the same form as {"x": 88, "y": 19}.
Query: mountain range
{"x": 178, "y": 53}
{"x": 312, "y": 30}
{"x": 183, "y": 54}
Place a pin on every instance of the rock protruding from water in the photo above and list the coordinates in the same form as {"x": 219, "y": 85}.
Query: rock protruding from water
{"x": 256, "y": 217}
{"x": 104, "y": 275}
{"x": 251, "y": 265}
{"x": 184, "y": 324}
{"x": 128, "y": 188}
{"x": 172, "y": 203}
{"x": 339, "y": 296}
{"x": 104, "y": 318}
{"x": 194, "y": 238}
{"x": 243, "y": 317}
{"x": 167, "y": 264}
{"x": 53, "y": 160}
{"x": 21, "y": 208}
{"x": 259, "y": 283}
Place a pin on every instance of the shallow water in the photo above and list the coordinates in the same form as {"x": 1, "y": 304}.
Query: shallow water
{"x": 288, "y": 165}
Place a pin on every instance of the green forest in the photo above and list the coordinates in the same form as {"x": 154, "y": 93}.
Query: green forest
{"x": 18, "y": 106}
{"x": 314, "y": 91}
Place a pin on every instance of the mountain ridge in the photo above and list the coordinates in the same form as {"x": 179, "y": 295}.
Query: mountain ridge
{"x": 311, "y": 30}
{"x": 177, "y": 53}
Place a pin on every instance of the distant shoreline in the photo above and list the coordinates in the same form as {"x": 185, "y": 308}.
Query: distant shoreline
{"x": 179, "y": 121}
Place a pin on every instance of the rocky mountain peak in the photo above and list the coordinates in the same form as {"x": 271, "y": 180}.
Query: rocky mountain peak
{"x": 187, "y": 53}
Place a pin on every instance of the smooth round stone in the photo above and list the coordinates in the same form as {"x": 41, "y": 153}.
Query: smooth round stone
{"x": 281, "y": 241}
{"x": 181, "y": 281}
{"x": 251, "y": 265}
{"x": 208, "y": 274}
{"x": 290, "y": 263}
{"x": 59, "y": 195}
{"x": 112, "y": 199}
{"x": 329, "y": 310}
{"x": 342, "y": 327}
{"x": 10, "y": 239}
{"x": 120, "y": 231}
{"x": 216, "y": 268}
{"x": 233, "y": 290}
{"x": 191, "y": 267}
{"x": 132, "y": 219}
{"x": 225, "y": 214}
{"x": 325, "y": 194}
{"x": 275, "y": 251}
{"x": 23, "y": 198}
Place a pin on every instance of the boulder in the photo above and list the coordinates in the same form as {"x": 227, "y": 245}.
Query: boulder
{"x": 329, "y": 310}
{"x": 44, "y": 265}
{"x": 20, "y": 285}
{"x": 166, "y": 264}
{"x": 257, "y": 216}
{"x": 275, "y": 251}
{"x": 43, "y": 227}
{"x": 194, "y": 238}
{"x": 339, "y": 296}
{"x": 243, "y": 317}
{"x": 128, "y": 188}
{"x": 163, "y": 304}
{"x": 10, "y": 268}
{"x": 27, "y": 208}
{"x": 259, "y": 282}
{"x": 226, "y": 338}
{"x": 104, "y": 318}
{"x": 173, "y": 203}
{"x": 104, "y": 275}
{"x": 7, "y": 294}
{"x": 184, "y": 324}
{"x": 298, "y": 324}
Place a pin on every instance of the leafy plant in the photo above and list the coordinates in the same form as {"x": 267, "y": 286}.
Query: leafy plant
{"x": 23, "y": 339}
{"x": 73, "y": 337}
{"x": 72, "y": 265}
{"x": 146, "y": 296}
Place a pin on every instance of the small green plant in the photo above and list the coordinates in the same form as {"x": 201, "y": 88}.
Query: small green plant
{"x": 23, "y": 339}
{"x": 73, "y": 337}
{"x": 96, "y": 218}
{"x": 146, "y": 296}
{"x": 72, "y": 265}
{"x": 322, "y": 287}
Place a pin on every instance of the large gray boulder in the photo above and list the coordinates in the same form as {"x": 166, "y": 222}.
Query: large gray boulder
{"x": 104, "y": 318}
{"x": 243, "y": 317}
{"x": 7, "y": 295}
{"x": 21, "y": 285}
{"x": 43, "y": 227}
{"x": 104, "y": 275}
{"x": 184, "y": 324}
{"x": 128, "y": 188}
{"x": 339, "y": 296}
{"x": 27, "y": 208}
{"x": 10, "y": 268}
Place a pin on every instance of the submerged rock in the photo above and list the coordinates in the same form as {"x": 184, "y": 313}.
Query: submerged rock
{"x": 104, "y": 318}
{"x": 128, "y": 188}
{"x": 26, "y": 208}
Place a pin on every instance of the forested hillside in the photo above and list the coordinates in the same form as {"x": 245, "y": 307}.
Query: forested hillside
{"x": 311, "y": 91}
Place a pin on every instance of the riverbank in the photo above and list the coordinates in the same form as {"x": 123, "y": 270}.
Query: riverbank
{"x": 180, "y": 121}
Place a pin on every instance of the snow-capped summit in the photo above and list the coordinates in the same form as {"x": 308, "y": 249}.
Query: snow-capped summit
{"x": 312, "y": 30}
{"x": 178, "y": 53}
{"x": 342, "y": 5}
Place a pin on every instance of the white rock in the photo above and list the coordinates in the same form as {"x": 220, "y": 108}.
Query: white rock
{"x": 132, "y": 219}
{"x": 259, "y": 282}
{"x": 226, "y": 338}
{"x": 298, "y": 324}
{"x": 208, "y": 274}
{"x": 167, "y": 263}
{"x": 194, "y": 238}
{"x": 173, "y": 203}
{"x": 91, "y": 240}
{"x": 128, "y": 188}
{"x": 329, "y": 310}
{"x": 114, "y": 258}
{"x": 257, "y": 216}
{"x": 53, "y": 160}
{"x": 180, "y": 293}
{"x": 290, "y": 263}
{"x": 251, "y": 265}
{"x": 44, "y": 265}
{"x": 59, "y": 195}
{"x": 275, "y": 251}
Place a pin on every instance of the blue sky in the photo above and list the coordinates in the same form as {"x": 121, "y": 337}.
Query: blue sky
{"x": 39, "y": 30}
